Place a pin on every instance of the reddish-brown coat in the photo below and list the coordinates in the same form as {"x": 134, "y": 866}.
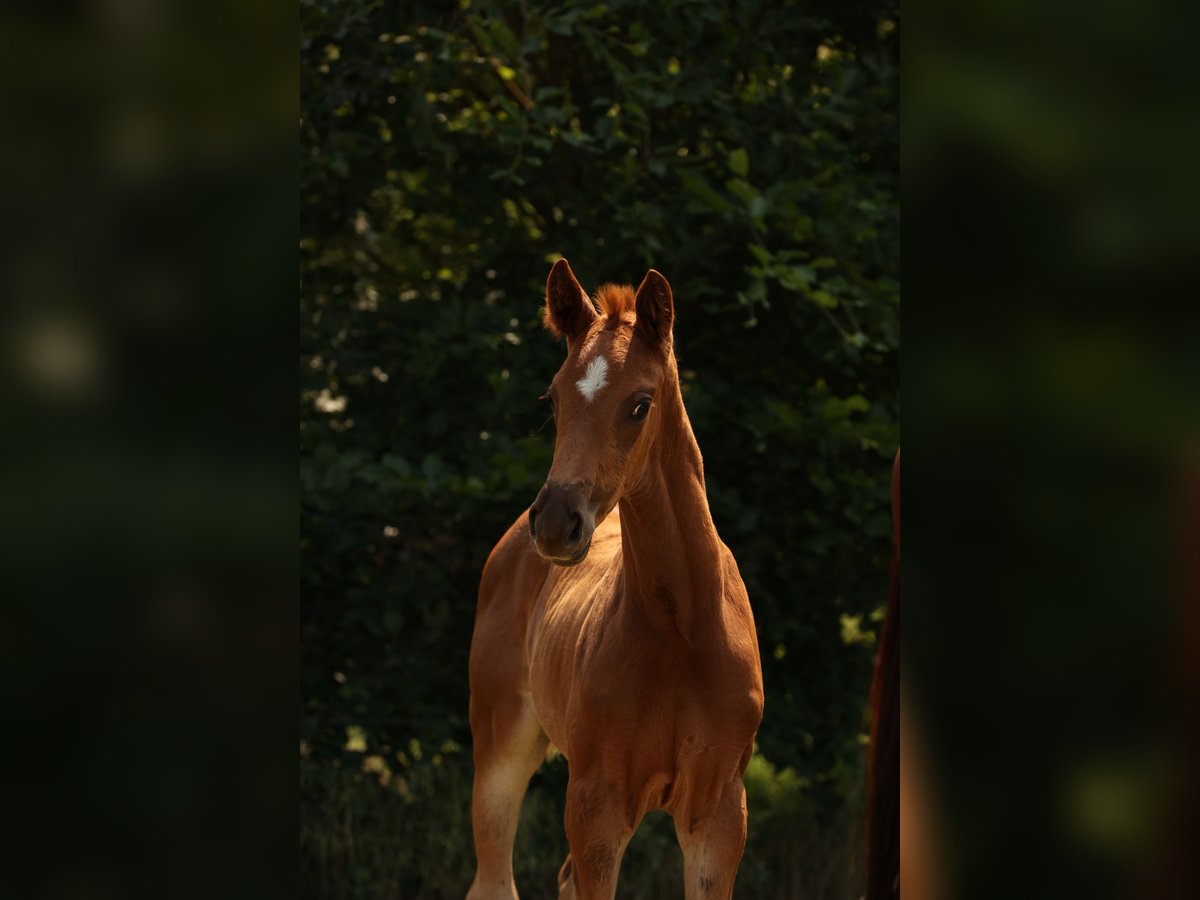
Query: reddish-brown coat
{"x": 640, "y": 662}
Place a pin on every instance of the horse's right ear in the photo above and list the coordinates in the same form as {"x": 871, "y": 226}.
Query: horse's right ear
{"x": 568, "y": 309}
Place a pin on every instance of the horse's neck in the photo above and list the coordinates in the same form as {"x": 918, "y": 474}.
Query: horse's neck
{"x": 672, "y": 555}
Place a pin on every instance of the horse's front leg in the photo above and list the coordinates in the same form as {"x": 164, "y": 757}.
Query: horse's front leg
{"x": 598, "y": 832}
{"x": 509, "y": 746}
{"x": 712, "y": 843}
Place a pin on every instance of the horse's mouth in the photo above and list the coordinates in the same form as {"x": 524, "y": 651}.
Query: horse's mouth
{"x": 568, "y": 561}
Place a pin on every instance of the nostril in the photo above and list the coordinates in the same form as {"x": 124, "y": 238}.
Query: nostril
{"x": 576, "y": 529}
{"x": 532, "y": 521}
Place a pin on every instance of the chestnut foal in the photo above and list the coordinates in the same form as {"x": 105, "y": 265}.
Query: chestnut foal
{"x": 612, "y": 622}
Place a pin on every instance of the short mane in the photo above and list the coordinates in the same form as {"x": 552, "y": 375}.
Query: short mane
{"x": 615, "y": 300}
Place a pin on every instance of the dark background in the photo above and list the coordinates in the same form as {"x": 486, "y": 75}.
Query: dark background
{"x": 148, "y": 592}
{"x": 448, "y": 157}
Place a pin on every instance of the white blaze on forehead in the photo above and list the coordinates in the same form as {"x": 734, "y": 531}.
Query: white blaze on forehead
{"x": 594, "y": 378}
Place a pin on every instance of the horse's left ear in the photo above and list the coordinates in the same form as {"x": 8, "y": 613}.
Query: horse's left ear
{"x": 655, "y": 308}
{"x": 568, "y": 310}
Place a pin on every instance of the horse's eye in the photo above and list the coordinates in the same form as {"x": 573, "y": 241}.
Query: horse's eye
{"x": 639, "y": 411}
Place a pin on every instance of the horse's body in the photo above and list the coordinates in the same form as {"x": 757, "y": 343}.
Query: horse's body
{"x": 613, "y": 623}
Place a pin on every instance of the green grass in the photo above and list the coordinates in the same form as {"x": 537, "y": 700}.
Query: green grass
{"x": 400, "y": 830}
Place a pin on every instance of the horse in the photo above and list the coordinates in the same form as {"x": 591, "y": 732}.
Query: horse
{"x": 612, "y": 623}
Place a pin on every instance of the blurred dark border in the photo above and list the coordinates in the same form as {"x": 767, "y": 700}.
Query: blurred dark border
{"x": 149, "y": 260}
{"x": 1051, "y": 428}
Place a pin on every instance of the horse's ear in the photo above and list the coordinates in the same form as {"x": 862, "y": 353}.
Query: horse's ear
{"x": 568, "y": 309}
{"x": 655, "y": 308}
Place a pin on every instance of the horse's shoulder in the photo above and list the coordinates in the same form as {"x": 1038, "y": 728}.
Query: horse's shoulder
{"x": 512, "y": 561}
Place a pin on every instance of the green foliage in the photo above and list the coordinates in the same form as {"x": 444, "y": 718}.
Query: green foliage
{"x": 448, "y": 155}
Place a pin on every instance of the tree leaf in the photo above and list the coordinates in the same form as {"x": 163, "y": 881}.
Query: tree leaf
{"x": 739, "y": 163}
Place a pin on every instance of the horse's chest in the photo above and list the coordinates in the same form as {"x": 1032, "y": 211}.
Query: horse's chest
{"x": 669, "y": 752}
{"x": 640, "y": 698}
{"x": 664, "y": 705}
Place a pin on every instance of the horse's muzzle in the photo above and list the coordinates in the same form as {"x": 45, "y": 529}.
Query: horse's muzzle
{"x": 561, "y": 522}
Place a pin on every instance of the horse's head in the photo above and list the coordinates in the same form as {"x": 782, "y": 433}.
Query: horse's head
{"x": 604, "y": 401}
